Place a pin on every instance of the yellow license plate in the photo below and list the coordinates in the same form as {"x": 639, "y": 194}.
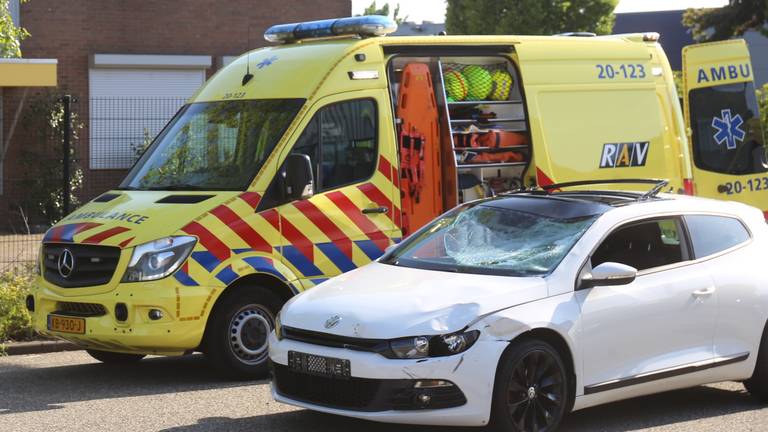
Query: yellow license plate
{"x": 66, "y": 324}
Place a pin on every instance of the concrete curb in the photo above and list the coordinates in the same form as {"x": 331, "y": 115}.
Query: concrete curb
{"x": 39, "y": 347}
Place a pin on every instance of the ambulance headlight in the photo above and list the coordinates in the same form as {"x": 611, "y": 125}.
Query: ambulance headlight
{"x": 158, "y": 259}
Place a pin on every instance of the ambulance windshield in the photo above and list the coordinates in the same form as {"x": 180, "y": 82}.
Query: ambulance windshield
{"x": 492, "y": 240}
{"x": 213, "y": 146}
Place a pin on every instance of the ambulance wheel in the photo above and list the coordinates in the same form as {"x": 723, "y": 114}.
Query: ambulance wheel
{"x": 238, "y": 332}
{"x": 113, "y": 357}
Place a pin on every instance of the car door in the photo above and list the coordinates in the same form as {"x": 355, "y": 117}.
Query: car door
{"x": 723, "y": 243}
{"x": 727, "y": 142}
{"x": 350, "y": 219}
{"x": 663, "y": 320}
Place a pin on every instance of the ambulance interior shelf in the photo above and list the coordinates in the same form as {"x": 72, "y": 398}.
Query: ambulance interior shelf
{"x": 488, "y": 126}
{"x": 456, "y": 147}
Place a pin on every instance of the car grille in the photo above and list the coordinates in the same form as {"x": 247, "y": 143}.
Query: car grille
{"x": 361, "y": 394}
{"x": 351, "y": 393}
{"x": 80, "y": 309}
{"x": 93, "y": 265}
{"x": 329, "y": 340}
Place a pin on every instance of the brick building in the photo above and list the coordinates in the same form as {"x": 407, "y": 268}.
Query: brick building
{"x": 130, "y": 64}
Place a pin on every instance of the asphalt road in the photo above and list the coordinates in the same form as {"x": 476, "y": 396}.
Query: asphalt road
{"x": 70, "y": 391}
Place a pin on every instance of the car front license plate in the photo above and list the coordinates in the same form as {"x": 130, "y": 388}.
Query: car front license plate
{"x": 66, "y": 324}
{"x": 318, "y": 365}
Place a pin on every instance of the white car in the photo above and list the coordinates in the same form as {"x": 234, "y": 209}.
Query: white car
{"x": 519, "y": 309}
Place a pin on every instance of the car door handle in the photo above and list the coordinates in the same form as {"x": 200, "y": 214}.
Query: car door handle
{"x": 704, "y": 292}
{"x": 376, "y": 210}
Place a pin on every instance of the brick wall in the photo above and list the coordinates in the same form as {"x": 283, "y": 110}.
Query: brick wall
{"x": 71, "y": 31}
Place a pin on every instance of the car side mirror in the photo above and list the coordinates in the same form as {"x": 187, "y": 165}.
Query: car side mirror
{"x": 298, "y": 180}
{"x": 609, "y": 274}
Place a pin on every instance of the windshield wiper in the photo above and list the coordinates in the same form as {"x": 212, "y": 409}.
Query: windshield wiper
{"x": 176, "y": 187}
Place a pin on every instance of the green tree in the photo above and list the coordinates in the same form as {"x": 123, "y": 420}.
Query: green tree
{"x": 534, "y": 17}
{"x": 10, "y": 35}
{"x": 728, "y": 21}
{"x": 384, "y": 10}
{"x": 762, "y": 99}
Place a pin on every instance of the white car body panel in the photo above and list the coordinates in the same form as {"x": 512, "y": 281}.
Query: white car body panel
{"x": 431, "y": 307}
{"x": 704, "y": 317}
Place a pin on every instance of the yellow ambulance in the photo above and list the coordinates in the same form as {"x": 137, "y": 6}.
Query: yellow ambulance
{"x": 307, "y": 159}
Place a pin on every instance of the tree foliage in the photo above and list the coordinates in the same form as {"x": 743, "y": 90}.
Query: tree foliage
{"x": 10, "y": 35}
{"x": 534, "y": 17}
{"x": 729, "y": 21}
{"x": 384, "y": 11}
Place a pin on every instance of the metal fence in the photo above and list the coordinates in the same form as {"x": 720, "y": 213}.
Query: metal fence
{"x": 63, "y": 144}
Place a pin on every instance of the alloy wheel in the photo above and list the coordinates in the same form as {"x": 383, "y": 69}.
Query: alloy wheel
{"x": 536, "y": 392}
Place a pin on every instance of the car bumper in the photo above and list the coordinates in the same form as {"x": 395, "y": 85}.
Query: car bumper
{"x": 472, "y": 373}
{"x": 184, "y": 310}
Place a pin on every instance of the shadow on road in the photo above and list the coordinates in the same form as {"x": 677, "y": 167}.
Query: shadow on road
{"x": 646, "y": 412}
{"x": 37, "y": 389}
{"x": 31, "y": 389}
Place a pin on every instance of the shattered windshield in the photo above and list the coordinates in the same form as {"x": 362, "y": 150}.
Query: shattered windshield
{"x": 492, "y": 240}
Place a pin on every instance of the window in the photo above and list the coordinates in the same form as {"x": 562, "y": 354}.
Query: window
{"x": 713, "y": 234}
{"x": 214, "y": 145}
{"x": 341, "y": 142}
{"x": 727, "y": 135}
{"x": 643, "y": 245}
{"x": 485, "y": 239}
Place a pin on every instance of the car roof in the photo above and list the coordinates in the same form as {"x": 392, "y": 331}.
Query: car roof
{"x": 580, "y": 203}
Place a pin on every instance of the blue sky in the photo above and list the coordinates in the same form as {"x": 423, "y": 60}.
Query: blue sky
{"x": 434, "y": 10}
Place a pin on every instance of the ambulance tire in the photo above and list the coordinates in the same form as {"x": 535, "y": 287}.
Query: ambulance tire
{"x": 114, "y": 358}
{"x": 238, "y": 332}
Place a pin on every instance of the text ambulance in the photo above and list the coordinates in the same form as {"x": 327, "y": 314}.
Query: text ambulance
{"x": 301, "y": 161}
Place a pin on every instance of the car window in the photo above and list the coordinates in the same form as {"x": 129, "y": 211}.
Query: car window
{"x": 341, "y": 142}
{"x": 713, "y": 234}
{"x": 643, "y": 245}
{"x": 485, "y": 239}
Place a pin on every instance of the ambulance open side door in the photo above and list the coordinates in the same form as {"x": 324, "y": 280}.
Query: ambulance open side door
{"x": 721, "y": 112}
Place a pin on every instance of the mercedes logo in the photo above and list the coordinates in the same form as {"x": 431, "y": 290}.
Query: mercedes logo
{"x": 66, "y": 263}
{"x": 332, "y": 321}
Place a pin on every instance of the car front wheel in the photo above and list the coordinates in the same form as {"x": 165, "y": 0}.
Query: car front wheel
{"x": 531, "y": 389}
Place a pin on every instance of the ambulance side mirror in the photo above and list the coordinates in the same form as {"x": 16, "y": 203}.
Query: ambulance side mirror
{"x": 298, "y": 180}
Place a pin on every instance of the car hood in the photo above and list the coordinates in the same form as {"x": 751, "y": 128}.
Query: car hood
{"x": 381, "y": 301}
{"x": 128, "y": 218}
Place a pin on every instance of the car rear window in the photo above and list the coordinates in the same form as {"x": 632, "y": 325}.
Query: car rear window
{"x": 712, "y": 234}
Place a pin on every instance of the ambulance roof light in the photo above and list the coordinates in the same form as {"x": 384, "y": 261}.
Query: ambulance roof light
{"x": 364, "y": 26}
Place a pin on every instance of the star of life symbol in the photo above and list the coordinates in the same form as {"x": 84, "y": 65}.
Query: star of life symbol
{"x": 728, "y": 129}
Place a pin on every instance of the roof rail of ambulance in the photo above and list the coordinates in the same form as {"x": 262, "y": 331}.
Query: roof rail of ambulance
{"x": 361, "y": 26}
{"x": 637, "y": 37}
{"x": 577, "y": 34}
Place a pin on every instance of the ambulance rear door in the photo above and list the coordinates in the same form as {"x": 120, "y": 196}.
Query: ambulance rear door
{"x": 724, "y": 130}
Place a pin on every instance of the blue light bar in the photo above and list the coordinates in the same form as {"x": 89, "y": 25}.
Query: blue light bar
{"x": 363, "y": 26}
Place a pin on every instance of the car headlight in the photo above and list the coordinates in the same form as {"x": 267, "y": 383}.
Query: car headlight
{"x": 409, "y": 348}
{"x": 278, "y": 327}
{"x": 431, "y": 346}
{"x": 157, "y": 259}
